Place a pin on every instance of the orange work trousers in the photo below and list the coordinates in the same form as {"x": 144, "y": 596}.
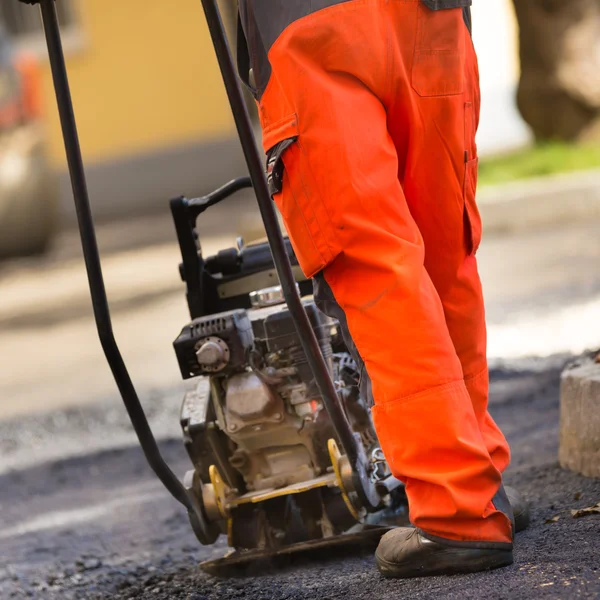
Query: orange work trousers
{"x": 369, "y": 110}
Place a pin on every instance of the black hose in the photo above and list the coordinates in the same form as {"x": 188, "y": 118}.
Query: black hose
{"x": 307, "y": 337}
{"x": 92, "y": 259}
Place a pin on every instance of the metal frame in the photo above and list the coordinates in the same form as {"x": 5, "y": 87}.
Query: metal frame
{"x": 308, "y": 339}
{"x": 185, "y": 212}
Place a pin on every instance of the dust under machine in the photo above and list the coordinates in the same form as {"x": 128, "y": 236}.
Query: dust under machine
{"x": 284, "y": 455}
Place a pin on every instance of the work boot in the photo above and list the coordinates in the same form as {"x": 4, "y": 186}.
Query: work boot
{"x": 520, "y": 508}
{"x": 406, "y": 552}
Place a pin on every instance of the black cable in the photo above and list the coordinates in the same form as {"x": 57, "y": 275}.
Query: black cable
{"x": 92, "y": 258}
{"x": 306, "y": 334}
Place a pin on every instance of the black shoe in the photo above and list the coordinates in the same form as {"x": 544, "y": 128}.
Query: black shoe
{"x": 405, "y": 552}
{"x": 520, "y": 508}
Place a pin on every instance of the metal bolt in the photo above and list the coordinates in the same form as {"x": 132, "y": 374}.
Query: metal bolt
{"x": 210, "y": 354}
{"x": 232, "y": 427}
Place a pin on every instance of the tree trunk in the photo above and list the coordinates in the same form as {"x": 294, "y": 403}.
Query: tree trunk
{"x": 559, "y": 91}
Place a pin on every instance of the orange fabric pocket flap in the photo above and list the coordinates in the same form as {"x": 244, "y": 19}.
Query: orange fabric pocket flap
{"x": 280, "y": 130}
{"x": 438, "y": 62}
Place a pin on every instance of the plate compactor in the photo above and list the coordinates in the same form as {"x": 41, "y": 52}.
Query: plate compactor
{"x": 283, "y": 451}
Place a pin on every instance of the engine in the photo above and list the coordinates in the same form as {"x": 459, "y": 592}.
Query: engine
{"x": 262, "y": 394}
{"x": 254, "y": 423}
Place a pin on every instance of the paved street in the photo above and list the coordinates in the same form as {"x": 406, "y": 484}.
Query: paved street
{"x": 98, "y": 525}
{"x": 542, "y": 290}
{"x": 82, "y": 517}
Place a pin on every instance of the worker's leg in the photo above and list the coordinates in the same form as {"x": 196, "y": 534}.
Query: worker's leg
{"x": 334, "y": 174}
{"x": 439, "y": 174}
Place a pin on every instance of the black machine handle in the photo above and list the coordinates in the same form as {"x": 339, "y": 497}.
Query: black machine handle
{"x": 198, "y": 205}
{"x": 307, "y": 336}
{"x": 92, "y": 257}
{"x": 276, "y": 242}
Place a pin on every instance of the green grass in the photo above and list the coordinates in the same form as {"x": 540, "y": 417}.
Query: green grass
{"x": 537, "y": 161}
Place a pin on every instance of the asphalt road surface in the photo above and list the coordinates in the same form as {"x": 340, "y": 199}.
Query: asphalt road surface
{"x": 82, "y": 516}
{"x": 542, "y": 292}
{"x": 100, "y": 526}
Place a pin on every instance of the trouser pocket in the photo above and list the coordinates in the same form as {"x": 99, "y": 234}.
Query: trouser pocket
{"x": 438, "y": 59}
{"x": 472, "y": 218}
{"x": 295, "y": 192}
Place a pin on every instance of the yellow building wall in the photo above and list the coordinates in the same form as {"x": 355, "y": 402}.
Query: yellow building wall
{"x": 144, "y": 78}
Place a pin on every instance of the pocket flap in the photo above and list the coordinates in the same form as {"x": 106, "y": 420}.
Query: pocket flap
{"x": 280, "y": 130}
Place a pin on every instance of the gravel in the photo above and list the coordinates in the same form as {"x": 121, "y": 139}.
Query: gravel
{"x": 98, "y": 525}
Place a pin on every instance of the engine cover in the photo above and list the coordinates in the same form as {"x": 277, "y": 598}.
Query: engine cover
{"x": 225, "y": 338}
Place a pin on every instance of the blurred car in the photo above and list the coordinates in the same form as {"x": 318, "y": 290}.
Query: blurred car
{"x": 28, "y": 187}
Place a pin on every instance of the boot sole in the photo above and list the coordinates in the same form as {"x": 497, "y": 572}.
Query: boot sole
{"x": 467, "y": 560}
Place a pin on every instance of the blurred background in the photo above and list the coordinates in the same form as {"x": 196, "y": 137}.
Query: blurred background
{"x": 154, "y": 123}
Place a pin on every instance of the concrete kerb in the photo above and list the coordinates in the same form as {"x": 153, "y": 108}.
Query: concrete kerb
{"x": 540, "y": 202}
{"x": 579, "y": 448}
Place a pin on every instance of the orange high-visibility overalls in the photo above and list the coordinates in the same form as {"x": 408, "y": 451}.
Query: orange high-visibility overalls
{"x": 369, "y": 110}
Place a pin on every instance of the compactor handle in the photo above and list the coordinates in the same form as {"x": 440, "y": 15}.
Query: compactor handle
{"x": 348, "y": 440}
{"x": 204, "y": 531}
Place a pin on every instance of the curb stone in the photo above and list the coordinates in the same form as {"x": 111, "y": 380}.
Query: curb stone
{"x": 540, "y": 202}
{"x": 579, "y": 448}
